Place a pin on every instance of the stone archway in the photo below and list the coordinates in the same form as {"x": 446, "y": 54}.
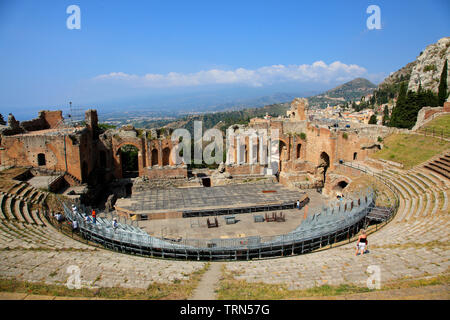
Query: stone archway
{"x": 341, "y": 185}
{"x": 155, "y": 160}
{"x": 137, "y": 158}
{"x": 283, "y": 154}
{"x": 166, "y": 156}
{"x": 128, "y": 155}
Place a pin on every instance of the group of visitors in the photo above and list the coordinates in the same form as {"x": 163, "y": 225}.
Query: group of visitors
{"x": 59, "y": 217}
{"x": 362, "y": 244}
{"x": 90, "y": 219}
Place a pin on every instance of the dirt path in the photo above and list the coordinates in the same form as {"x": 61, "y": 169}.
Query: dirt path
{"x": 206, "y": 287}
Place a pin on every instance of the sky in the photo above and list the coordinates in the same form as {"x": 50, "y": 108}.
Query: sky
{"x": 128, "y": 50}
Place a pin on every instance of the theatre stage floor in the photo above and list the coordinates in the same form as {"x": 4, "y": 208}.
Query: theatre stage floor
{"x": 179, "y": 199}
{"x": 196, "y": 228}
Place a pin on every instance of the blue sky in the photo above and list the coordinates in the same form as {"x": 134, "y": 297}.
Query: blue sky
{"x": 128, "y": 49}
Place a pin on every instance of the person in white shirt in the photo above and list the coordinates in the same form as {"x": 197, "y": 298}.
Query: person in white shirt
{"x": 74, "y": 225}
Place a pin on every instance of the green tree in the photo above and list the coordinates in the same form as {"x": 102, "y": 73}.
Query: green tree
{"x": 2, "y": 121}
{"x": 385, "y": 116}
{"x": 373, "y": 119}
{"x": 399, "y": 108}
{"x": 442, "y": 92}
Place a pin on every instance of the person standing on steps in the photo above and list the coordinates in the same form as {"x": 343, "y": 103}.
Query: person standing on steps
{"x": 74, "y": 226}
{"x": 362, "y": 243}
{"x": 94, "y": 216}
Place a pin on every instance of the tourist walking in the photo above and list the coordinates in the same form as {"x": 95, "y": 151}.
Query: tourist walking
{"x": 362, "y": 243}
{"x": 298, "y": 204}
{"x": 94, "y": 216}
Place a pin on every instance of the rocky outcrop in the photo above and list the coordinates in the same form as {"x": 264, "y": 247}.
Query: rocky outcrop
{"x": 398, "y": 76}
{"x": 429, "y": 64}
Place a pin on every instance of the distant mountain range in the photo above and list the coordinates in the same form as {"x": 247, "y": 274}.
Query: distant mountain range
{"x": 238, "y": 114}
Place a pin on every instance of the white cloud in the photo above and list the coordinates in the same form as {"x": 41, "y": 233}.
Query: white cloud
{"x": 318, "y": 72}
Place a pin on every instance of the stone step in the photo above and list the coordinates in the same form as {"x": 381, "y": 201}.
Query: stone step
{"x": 45, "y": 237}
{"x": 445, "y": 204}
{"x": 5, "y": 235}
{"x": 428, "y": 203}
{"x": 416, "y": 182}
{"x": 25, "y": 193}
{"x": 437, "y": 170}
{"x": 17, "y": 234}
{"x": 8, "y": 208}
{"x": 18, "y": 211}
{"x": 26, "y": 231}
{"x": 33, "y": 194}
{"x": 2, "y": 205}
{"x": 26, "y": 213}
{"x": 404, "y": 184}
{"x": 443, "y": 164}
{"x": 41, "y": 217}
{"x": 429, "y": 175}
{"x": 405, "y": 194}
{"x": 429, "y": 184}
{"x": 405, "y": 201}
{"x": 412, "y": 210}
{"x": 17, "y": 189}
{"x": 436, "y": 203}
{"x": 412, "y": 190}
{"x": 40, "y": 198}
{"x": 32, "y": 214}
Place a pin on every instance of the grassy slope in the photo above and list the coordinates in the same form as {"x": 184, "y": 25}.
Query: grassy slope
{"x": 178, "y": 290}
{"x": 410, "y": 149}
{"x": 440, "y": 124}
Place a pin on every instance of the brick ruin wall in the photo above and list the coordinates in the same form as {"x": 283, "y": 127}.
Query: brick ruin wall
{"x": 45, "y": 120}
{"x": 61, "y": 152}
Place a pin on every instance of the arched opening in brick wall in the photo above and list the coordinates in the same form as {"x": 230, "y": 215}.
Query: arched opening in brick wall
{"x": 154, "y": 157}
{"x": 129, "y": 160}
{"x": 283, "y": 154}
{"x": 355, "y": 156}
{"x": 299, "y": 148}
{"x": 341, "y": 185}
{"x": 324, "y": 164}
{"x": 41, "y": 159}
{"x": 166, "y": 156}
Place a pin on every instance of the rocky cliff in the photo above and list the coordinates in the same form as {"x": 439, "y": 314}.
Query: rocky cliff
{"x": 428, "y": 66}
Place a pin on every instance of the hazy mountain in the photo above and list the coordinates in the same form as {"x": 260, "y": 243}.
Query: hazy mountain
{"x": 349, "y": 91}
